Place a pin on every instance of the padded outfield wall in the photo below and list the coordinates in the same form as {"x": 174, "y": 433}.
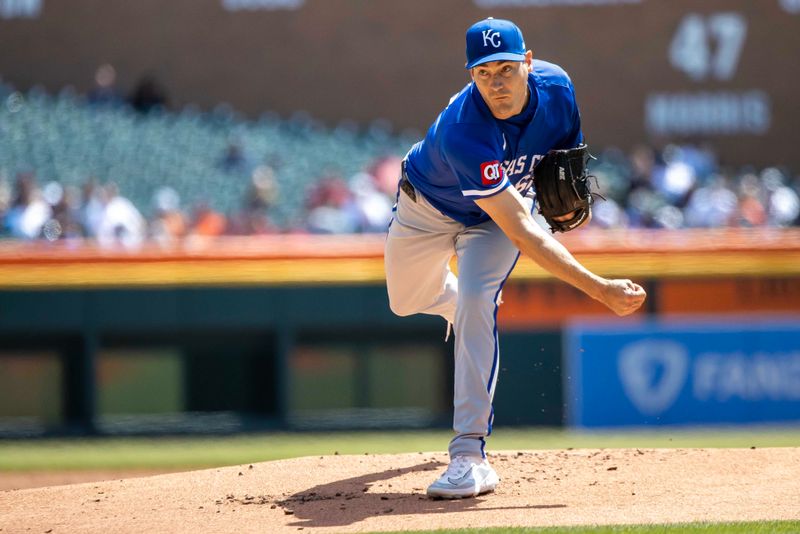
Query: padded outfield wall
{"x": 723, "y": 72}
{"x": 295, "y": 332}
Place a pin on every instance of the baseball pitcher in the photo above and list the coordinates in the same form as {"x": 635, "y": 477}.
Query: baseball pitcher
{"x": 511, "y": 136}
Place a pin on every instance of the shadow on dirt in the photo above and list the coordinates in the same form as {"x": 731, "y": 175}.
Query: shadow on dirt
{"x": 352, "y": 500}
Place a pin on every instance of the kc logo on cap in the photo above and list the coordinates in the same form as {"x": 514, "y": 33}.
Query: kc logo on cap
{"x": 491, "y": 38}
{"x": 494, "y": 40}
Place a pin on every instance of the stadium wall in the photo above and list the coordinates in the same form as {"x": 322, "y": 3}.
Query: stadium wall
{"x": 295, "y": 331}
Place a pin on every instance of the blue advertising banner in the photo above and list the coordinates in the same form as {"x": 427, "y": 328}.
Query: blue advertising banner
{"x": 682, "y": 372}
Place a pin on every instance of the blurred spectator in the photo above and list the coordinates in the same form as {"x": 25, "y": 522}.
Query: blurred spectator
{"x": 254, "y": 219}
{"x": 642, "y": 204}
{"x": 783, "y": 204}
{"x": 644, "y": 169}
{"x": 148, "y": 94}
{"x": 386, "y": 173}
{"x": 235, "y": 158}
{"x": 678, "y": 178}
{"x": 331, "y": 208}
{"x": 65, "y": 222}
{"x": 701, "y": 158}
{"x": 93, "y": 204}
{"x": 751, "y": 210}
{"x": 607, "y": 213}
{"x": 104, "y": 91}
{"x": 6, "y": 195}
{"x": 795, "y": 185}
{"x": 168, "y": 225}
{"x": 713, "y": 205}
{"x": 263, "y": 192}
{"x": 669, "y": 217}
{"x": 373, "y": 207}
{"x": 28, "y": 212}
{"x": 121, "y": 223}
{"x": 206, "y": 222}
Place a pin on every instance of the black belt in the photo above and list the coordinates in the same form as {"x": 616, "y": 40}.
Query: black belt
{"x": 406, "y": 186}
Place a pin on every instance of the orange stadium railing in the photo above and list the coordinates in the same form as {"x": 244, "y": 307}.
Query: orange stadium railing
{"x": 357, "y": 259}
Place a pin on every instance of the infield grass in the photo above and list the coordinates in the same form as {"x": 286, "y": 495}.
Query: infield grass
{"x": 202, "y": 452}
{"x": 760, "y": 527}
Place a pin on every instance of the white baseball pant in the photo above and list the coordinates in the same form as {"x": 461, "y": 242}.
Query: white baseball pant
{"x": 419, "y": 246}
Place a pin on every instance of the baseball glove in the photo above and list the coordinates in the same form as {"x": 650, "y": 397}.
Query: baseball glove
{"x": 562, "y": 187}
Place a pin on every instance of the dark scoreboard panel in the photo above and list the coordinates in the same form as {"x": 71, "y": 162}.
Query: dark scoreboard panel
{"x": 722, "y": 72}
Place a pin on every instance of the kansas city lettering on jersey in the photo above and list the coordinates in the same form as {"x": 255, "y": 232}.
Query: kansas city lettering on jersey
{"x": 520, "y": 171}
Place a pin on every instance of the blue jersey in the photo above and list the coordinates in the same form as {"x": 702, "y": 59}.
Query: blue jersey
{"x": 468, "y": 154}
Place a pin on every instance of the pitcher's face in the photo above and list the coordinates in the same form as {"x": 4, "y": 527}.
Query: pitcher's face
{"x": 504, "y": 85}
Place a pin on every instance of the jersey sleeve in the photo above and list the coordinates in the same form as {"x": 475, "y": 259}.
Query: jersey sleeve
{"x": 474, "y": 153}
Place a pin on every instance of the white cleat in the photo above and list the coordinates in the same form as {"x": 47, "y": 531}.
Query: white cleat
{"x": 466, "y": 476}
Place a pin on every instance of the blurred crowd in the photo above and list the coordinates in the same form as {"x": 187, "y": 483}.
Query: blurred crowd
{"x": 101, "y": 212}
{"x": 98, "y": 208}
{"x": 678, "y": 186}
{"x": 683, "y": 186}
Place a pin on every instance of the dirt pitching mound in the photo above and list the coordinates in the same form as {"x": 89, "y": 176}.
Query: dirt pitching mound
{"x": 386, "y": 492}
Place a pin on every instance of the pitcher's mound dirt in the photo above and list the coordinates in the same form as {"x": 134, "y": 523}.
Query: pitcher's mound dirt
{"x": 382, "y": 492}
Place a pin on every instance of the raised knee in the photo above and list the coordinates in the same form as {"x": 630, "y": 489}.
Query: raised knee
{"x": 401, "y": 308}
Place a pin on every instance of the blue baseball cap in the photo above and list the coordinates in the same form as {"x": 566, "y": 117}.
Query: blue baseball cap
{"x": 494, "y": 40}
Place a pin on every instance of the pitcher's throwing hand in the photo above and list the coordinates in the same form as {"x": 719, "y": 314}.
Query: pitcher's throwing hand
{"x": 623, "y": 296}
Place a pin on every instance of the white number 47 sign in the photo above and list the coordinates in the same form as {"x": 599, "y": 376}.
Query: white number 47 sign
{"x": 709, "y": 45}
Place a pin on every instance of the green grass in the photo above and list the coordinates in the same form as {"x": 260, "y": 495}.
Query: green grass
{"x": 200, "y": 452}
{"x": 761, "y": 527}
